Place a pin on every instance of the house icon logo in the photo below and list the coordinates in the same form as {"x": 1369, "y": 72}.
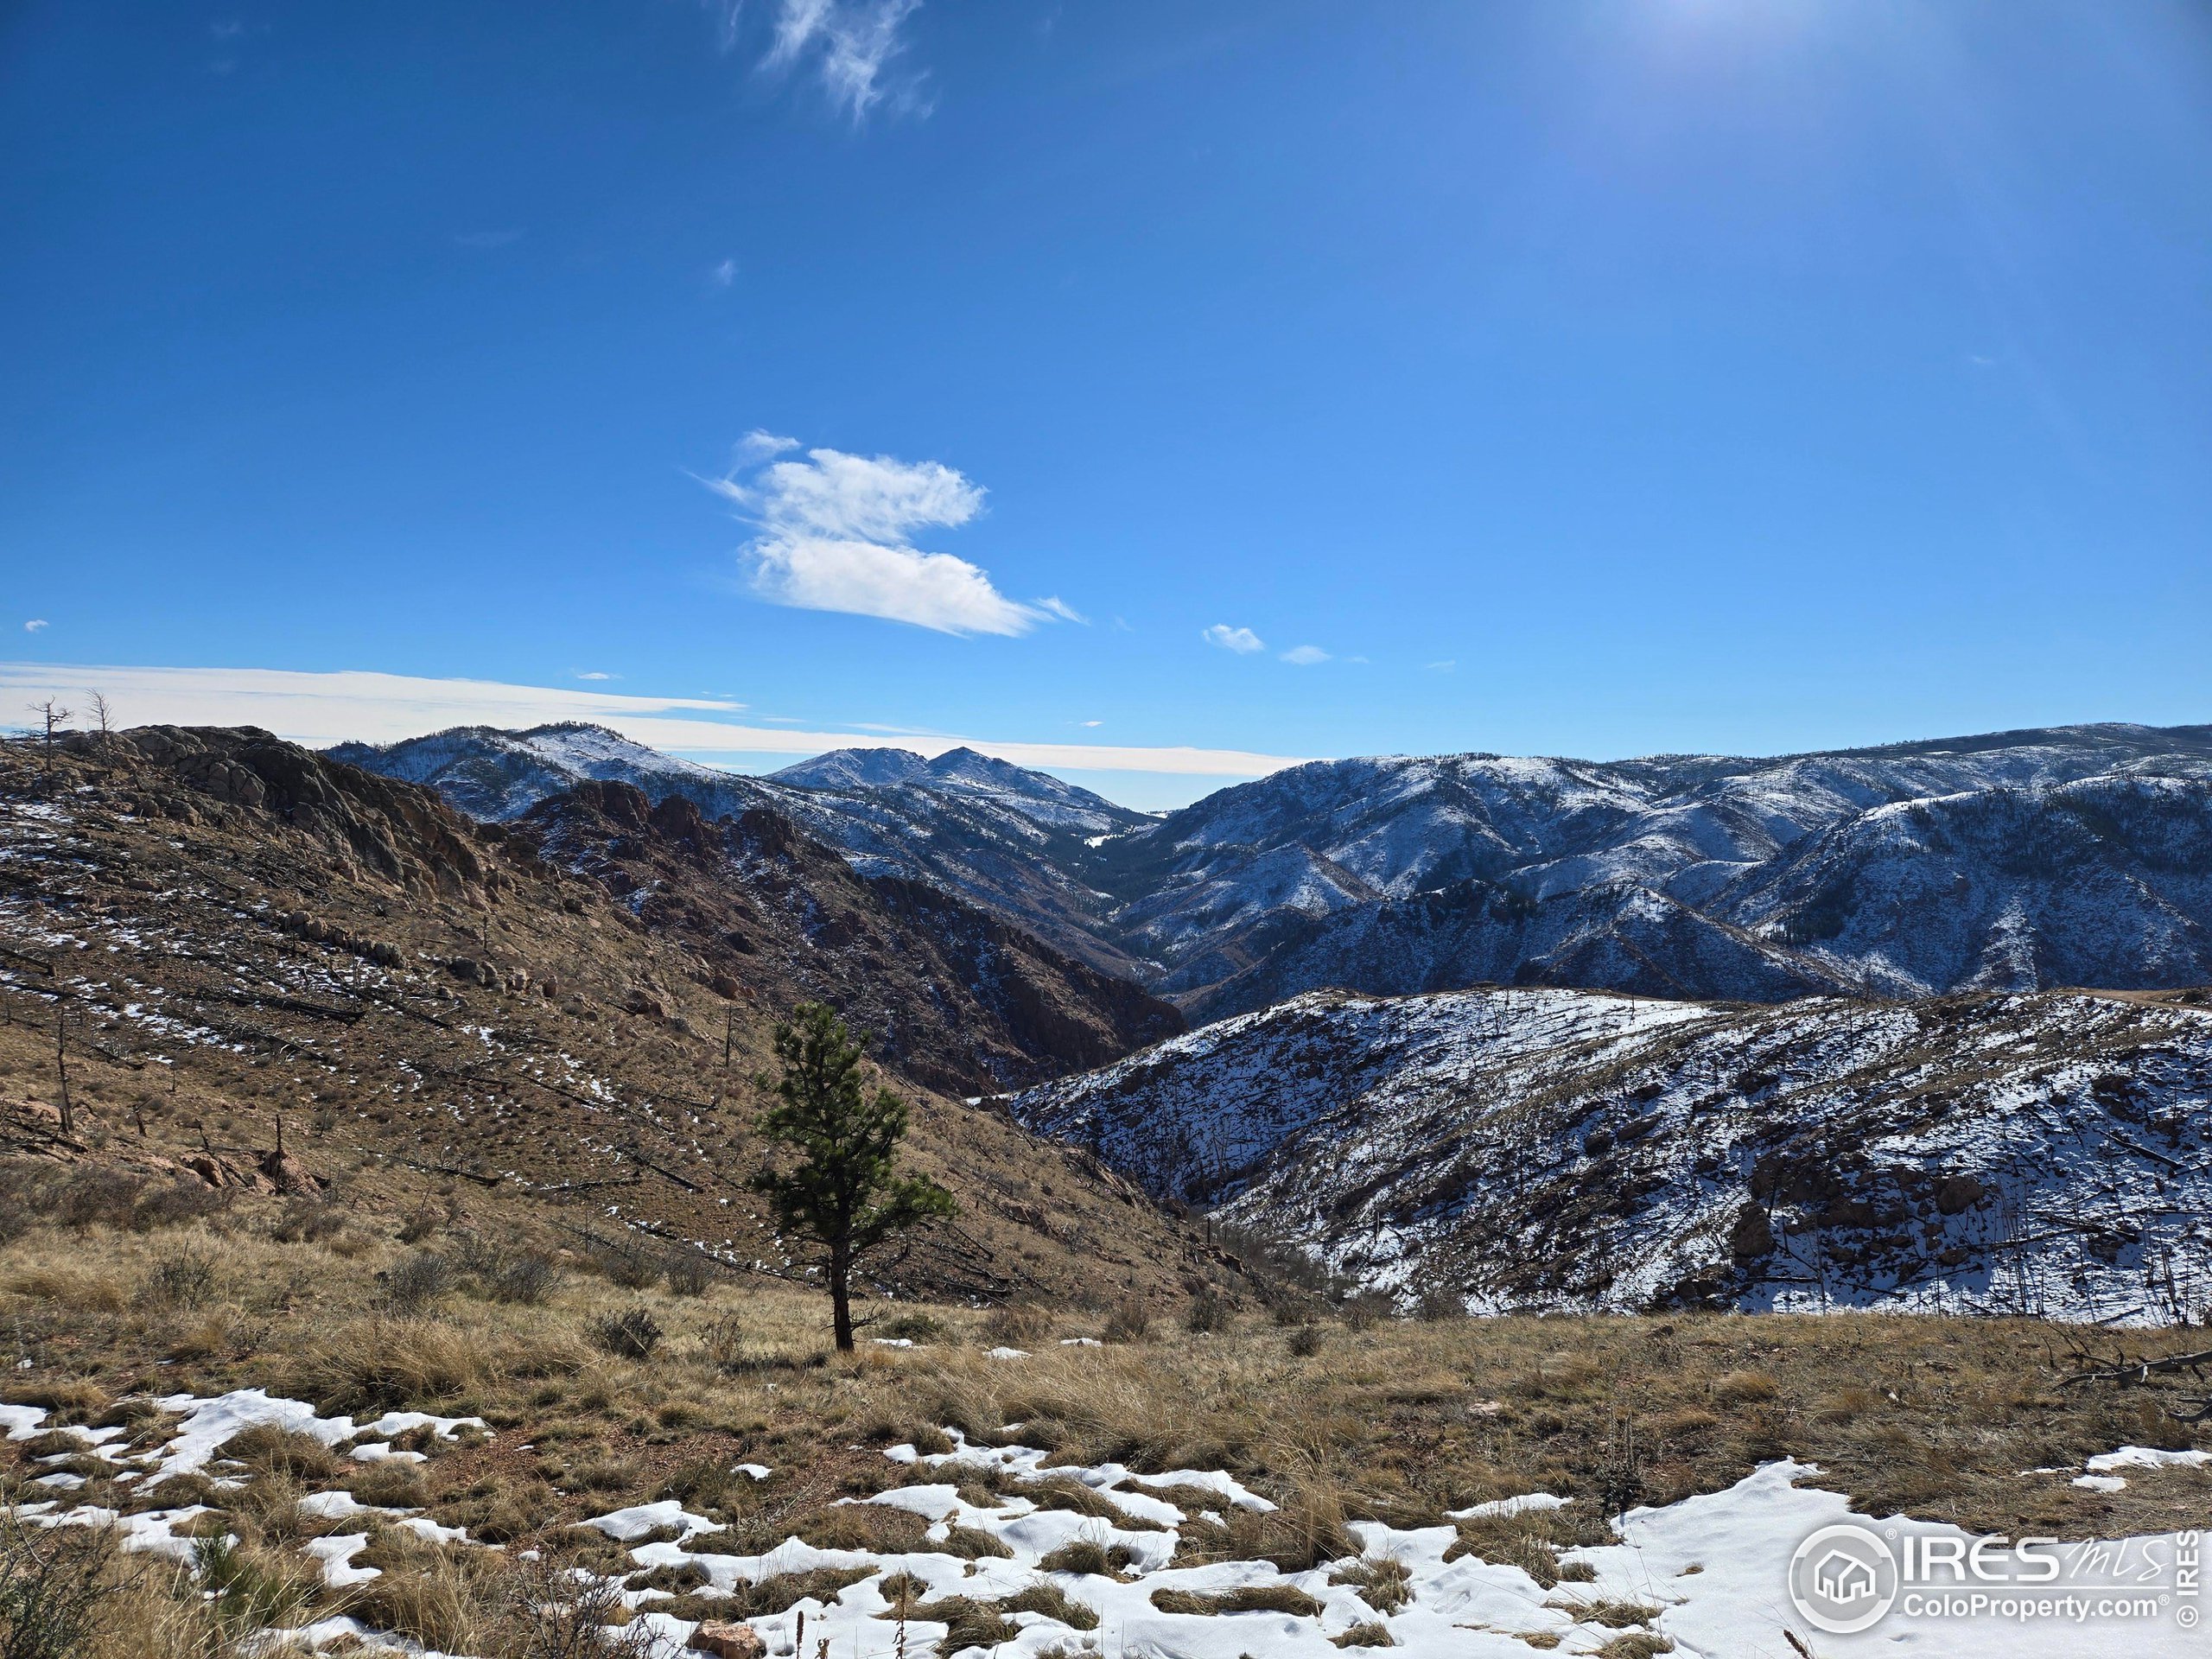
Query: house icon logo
{"x": 1843, "y": 1579}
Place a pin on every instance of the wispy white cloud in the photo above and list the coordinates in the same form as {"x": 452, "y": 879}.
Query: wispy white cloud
{"x": 331, "y": 708}
{"x": 1306, "y": 656}
{"x": 836, "y": 534}
{"x": 760, "y": 444}
{"x": 727, "y": 14}
{"x": 35, "y": 624}
{"x": 852, "y": 46}
{"x": 1242, "y": 641}
{"x": 723, "y": 273}
{"x": 594, "y": 674}
{"x": 1444, "y": 667}
{"x": 1058, "y": 606}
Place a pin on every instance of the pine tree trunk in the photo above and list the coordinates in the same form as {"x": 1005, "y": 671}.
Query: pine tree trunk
{"x": 840, "y": 1297}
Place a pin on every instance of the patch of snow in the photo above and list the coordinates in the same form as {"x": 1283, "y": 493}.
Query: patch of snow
{"x": 639, "y": 1519}
{"x": 2147, "y": 1457}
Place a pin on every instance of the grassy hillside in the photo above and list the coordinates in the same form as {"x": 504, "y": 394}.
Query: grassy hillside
{"x": 121, "y": 1297}
{"x": 244, "y": 942}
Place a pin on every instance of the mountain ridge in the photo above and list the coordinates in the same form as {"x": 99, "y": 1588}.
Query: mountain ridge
{"x": 1700, "y": 875}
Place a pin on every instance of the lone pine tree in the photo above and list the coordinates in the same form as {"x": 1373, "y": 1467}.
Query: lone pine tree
{"x": 845, "y": 1194}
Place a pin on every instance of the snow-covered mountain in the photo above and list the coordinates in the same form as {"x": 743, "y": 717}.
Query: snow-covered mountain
{"x": 1006, "y": 838}
{"x": 2075, "y": 855}
{"x": 2018, "y": 860}
{"x": 2048, "y": 1154}
{"x": 498, "y": 775}
{"x": 993, "y": 784}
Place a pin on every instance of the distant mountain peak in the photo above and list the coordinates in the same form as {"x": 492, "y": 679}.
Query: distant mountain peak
{"x": 855, "y": 768}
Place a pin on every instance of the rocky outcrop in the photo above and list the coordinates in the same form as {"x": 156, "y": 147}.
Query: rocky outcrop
{"x": 398, "y": 831}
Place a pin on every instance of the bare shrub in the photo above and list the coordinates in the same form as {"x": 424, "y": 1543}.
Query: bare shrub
{"x": 99, "y": 1197}
{"x": 418, "y": 1283}
{"x": 726, "y": 1346}
{"x": 184, "y": 1279}
{"x": 1207, "y": 1313}
{"x": 525, "y": 1279}
{"x": 631, "y": 1334}
{"x": 1277, "y": 1263}
{"x": 1367, "y": 1310}
{"x": 1439, "y": 1302}
{"x": 307, "y": 1221}
{"x": 1130, "y": 1321}
{"x": 621, "y": 1265}
{"x": 51, "y": 1586}
{"x": 689, "y": 1274}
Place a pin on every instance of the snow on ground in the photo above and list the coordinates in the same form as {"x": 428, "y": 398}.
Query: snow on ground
{"x": 208, "y": 1423}
{"x": 1708, "y": 1573}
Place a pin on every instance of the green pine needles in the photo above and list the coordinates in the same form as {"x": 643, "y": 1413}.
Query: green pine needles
{"x": 845, "y": 1195}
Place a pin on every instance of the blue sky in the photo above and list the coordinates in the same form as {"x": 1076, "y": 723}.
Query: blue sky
{"x": 1590, "y": 378}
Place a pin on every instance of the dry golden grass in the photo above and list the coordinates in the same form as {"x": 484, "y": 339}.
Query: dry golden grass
{"x": 1386, "y": 1419}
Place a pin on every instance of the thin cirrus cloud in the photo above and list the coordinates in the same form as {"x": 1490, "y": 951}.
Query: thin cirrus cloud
{"x": 1242, "y": 641}
{"x": 35, "y": 624}
{"x": 836, "y": 534}
{"x": 851, "y": 46}
{"x": 323, "y": 708}
{"x": 1306, "y": 656}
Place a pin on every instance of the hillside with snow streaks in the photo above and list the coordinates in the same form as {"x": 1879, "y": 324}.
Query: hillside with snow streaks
{"x": 2047, "y": 1154}
{"x": 2020, "y": 860}
{"x": 2073, "y": 855}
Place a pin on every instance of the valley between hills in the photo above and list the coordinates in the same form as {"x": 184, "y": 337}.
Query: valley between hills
{"x": 1392, "y": 1197}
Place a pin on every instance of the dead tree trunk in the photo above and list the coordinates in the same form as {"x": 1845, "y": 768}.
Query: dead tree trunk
{"x": 62, "y": 1064}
